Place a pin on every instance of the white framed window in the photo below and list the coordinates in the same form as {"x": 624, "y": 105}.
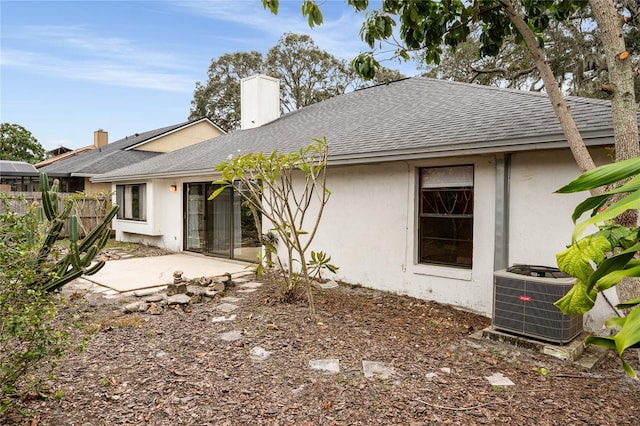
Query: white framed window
{"x": 132, "y": 201}
{"x": 445, "y": 225}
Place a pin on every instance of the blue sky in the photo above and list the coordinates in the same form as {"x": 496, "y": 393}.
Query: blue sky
{"x": 69, "y": 68}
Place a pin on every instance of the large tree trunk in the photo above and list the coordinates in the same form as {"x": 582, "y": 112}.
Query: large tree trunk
{"x": 578, "y": 148}
{"x": 623, "y": 107}
{"x": 620, "y": 87}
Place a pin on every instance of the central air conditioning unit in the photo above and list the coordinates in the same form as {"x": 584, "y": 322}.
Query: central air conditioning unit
{"x": 523, "y": 297}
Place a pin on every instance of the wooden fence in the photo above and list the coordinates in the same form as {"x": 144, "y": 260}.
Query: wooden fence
{"x": 90, "y": 209}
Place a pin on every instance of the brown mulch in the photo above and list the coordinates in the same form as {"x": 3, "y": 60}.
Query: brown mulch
{"x": 173, "y": 369}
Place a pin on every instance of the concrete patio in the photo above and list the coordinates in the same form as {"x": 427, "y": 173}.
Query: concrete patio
{"x": 150, "y": 272}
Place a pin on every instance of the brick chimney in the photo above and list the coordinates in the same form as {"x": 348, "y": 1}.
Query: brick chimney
{"x": 259, "y": 100}
{"x": 100, "y": 138}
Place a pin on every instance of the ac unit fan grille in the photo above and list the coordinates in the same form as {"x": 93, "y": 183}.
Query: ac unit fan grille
{"x": 524, "y": 305}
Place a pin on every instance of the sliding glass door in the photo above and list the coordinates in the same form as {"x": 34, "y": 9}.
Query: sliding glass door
{"x": 194, "y": 217}
{"x": 221, "y": 227}
{"x": 220, "y": 222}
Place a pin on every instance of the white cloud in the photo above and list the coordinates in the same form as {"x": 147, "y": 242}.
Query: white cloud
{"x": 72, "y": 52}
{"x": 338, "y": 35}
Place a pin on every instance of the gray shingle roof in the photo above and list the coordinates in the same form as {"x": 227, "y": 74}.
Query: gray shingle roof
{"x": 17, "y": 168}
{"x": 111, "y": 156}
{"x": 415, "y": 117}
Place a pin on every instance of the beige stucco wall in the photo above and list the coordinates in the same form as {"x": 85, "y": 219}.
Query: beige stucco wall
{"x": 190, "y": 135}
{"x": 540, "y": 220}
{"x": 92, "y": 188}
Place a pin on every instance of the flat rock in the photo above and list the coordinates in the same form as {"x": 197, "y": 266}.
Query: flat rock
{"x": 136, "y": 307}
{"x": 377, "y": 369}
{"x": 498, "y": 379}
{"x": 231, "y": 336}
{"x": 227, "y": 307}
{"x": 246, "y": 290}
{"x": 330, "y": 365}
{"x": 211, "y": 293}
{"x": 224, "y": 319}
{"x": 251, "y": 284}
{"x": 146, "y": 292}
{"x": 230, "y": 299}
{"x": 154, "y": 298}
{"x": 259, "y": 354}
{"x": 240, "y": 280}
{"x": 173, "y": 289}
{"x": 154, "y": 309}
{"x": 178, "y": 299}
{"x": 196, "y": 290}
{"x": 328, "y": 285}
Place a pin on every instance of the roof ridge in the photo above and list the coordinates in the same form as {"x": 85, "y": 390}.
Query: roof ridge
{"x": 477, "y": 86}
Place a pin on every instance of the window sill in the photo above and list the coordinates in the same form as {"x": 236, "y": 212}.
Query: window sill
{"x": 443, "y": 271}
{"x": 135, "y": 227}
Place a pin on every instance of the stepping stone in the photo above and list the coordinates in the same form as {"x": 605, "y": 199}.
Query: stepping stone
{"x": 498, "y": 379}
{"x": 227, "y": 307}
{"x": 330, "y": 365}
{"x": 154, "y": 298}
{"x": 253, "y": 284}
{"x": 230, "y": 299}
{"x": 377, "y": 369}
{"x": 136, "y": 307}
{"x": 247, "y": 290}
{"x": 328, "y": 285}
{"x": 146, "y": 292}
{"x": 240, "y": 280}
{"x": 231, "y": 336}
{"x": 224, "y": 319}
{"x": 178, "y": 299}
{"x": 259, "y": 354}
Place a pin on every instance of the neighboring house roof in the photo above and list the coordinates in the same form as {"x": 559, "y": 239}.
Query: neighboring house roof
{"x": 58, "y": 151}
{"x": 17, "y": 168}
{"x": 410, "y": 118}
{"x": 67, "y": 154}
{"x": 116, "y": 154}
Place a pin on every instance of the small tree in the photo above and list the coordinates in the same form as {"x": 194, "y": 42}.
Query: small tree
{"x": 266, "y": 182}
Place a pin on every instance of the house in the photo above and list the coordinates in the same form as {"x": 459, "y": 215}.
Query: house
{"x": 100, "y": 139}
{"x": 18, "y": 176}
{"x": 58, "y": 151}
{"x": 104, "y": 156}
{"x": 435, "y": 185}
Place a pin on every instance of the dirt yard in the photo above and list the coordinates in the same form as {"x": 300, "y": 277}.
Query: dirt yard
{"x": 175, "y": 369}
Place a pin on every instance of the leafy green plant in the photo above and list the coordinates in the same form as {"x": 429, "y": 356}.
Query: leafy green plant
{"x": 267, "y": 182}
{"x": 600, "y": 260}
{"x": 270, "y": 243}
{"x": 29, "y": 339}
{"x": 34, "y": 265}
{"x": 318, "y": 262}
